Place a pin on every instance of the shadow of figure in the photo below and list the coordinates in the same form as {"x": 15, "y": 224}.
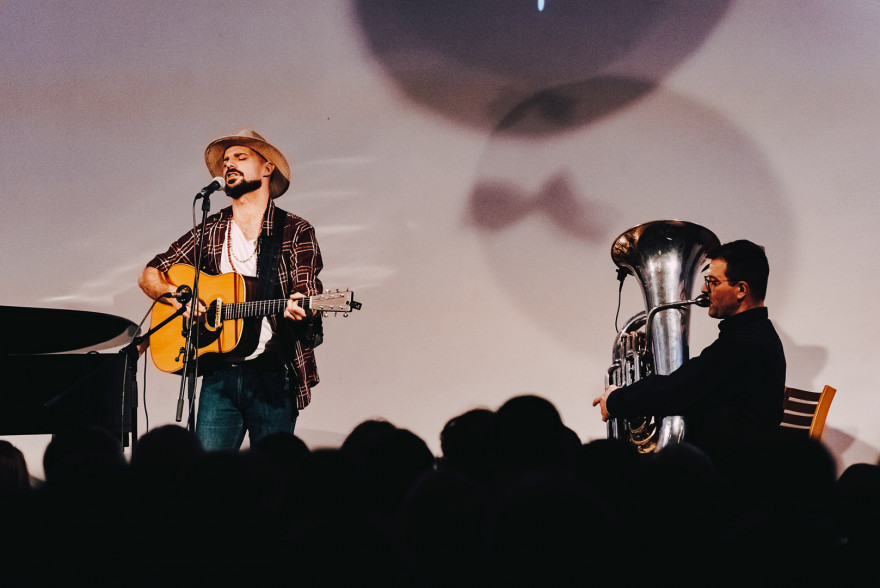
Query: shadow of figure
{"x": 497, "y": 205}
{"x": 477, "y": 63}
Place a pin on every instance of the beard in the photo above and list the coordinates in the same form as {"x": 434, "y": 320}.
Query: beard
{"x": 240, "y": 189}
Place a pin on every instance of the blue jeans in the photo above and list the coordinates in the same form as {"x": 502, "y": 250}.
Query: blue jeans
{"x": 250, "y": 397}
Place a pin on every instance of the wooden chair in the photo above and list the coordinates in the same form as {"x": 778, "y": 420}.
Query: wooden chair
{"x": 806, "y": 411}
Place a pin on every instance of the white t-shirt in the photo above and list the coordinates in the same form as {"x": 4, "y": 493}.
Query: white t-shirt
{"x": 244, "y": 256}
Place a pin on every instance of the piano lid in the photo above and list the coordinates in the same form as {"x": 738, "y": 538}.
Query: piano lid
{"x": 48, "y": 330}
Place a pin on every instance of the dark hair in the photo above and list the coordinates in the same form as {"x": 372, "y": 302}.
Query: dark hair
{"x": 746, "y": 262}
{"x": 14, "y": 475}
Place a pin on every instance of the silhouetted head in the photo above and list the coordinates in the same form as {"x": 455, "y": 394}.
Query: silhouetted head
{"x": 14, "y": 475}
{"x": 283, "y": 450}
{"x": 82, "y": 453}
{"x": 162, "y": 455}
{"x": 467, "y": 443}
{"x": 529, "y": 434}
{"x": 362, "y": 440}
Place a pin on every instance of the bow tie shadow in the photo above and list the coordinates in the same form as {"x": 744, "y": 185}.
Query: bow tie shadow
{"x": 498, "y": 205}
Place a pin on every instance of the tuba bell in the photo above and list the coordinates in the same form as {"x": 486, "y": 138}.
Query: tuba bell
{"x": 665, "y": 257}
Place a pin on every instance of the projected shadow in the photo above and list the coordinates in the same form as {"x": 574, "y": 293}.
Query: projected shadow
{"x": 475, "y": 61}
{"x": 547, "y": 206}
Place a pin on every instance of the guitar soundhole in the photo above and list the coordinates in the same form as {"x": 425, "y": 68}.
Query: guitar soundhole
{"x": 206, "y": 336}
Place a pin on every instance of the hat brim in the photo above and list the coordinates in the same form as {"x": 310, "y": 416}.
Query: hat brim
{"x": 280, "y": 180}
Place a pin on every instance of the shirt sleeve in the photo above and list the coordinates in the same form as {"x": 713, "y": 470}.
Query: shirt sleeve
{"x": 658, "y": 395}
{"x": 184, "y": 250}
{"x": 301, "y": 262}
{"x": 181, "y": 251}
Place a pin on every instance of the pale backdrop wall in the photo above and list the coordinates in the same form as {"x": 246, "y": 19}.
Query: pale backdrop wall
{"x": 467, "y": 166}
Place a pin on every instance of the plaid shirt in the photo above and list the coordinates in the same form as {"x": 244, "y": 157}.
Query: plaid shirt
{"x": 298, "y": 266}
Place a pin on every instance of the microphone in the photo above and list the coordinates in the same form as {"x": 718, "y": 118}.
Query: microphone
{"x": 218, "y": 184}
{"x": 183, "y": 295}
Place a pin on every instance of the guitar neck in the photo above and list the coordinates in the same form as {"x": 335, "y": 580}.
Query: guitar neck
{"x": 337, "y": 301}
{"x": 241, "y": 310}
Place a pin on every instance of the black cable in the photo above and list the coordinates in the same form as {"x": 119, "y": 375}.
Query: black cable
{"x": 136, "y": 335}
{"x": 621, "y": 276}
{"x": 144, "y": 401}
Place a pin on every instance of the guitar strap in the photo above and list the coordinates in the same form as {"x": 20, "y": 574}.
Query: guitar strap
{"x": 267, "y": 259}
{"x": 312, "y": 331}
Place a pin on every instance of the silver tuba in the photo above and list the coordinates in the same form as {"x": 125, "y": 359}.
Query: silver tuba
{"x": 665, "y": 257}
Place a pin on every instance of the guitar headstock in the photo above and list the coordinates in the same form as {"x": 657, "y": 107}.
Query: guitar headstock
{"x": 334, "y": 301}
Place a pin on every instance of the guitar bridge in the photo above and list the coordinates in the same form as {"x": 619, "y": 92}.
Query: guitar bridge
{"x": 214, "y": 315}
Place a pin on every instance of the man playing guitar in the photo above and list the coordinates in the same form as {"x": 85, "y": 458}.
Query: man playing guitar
{"x": 260, "y": 386}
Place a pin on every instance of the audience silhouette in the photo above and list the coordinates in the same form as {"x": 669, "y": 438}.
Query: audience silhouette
{"x": 514, "y": 499}
{"x": 15, "y": 479}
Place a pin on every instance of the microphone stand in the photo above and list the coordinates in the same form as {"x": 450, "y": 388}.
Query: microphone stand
{"x": 188, "y": 375}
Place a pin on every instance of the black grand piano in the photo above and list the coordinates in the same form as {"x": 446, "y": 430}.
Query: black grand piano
{"x": 56, "y": 377}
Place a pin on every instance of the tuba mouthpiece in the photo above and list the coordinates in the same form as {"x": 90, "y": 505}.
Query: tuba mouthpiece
{"x": 702, "y": 300}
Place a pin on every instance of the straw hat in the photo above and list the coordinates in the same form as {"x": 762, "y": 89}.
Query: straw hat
{"x": 280, "y": 179}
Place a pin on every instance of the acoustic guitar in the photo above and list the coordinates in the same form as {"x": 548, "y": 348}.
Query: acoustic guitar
{"x": 231, "y": 324}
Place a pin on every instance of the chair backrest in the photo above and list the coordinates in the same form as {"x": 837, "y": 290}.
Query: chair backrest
{"x": 807, "y": 411}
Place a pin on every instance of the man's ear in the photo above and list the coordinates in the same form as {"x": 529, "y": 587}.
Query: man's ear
{"x": 269, "y": 168}
{"x": 742, "y": 290}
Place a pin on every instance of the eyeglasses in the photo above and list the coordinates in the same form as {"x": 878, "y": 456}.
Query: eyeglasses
{"x": 711, "y": 282}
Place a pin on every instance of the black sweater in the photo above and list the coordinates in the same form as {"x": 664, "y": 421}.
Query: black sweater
{"x": 744, "y": 369}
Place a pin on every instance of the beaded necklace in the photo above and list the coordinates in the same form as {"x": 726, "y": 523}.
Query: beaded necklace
{"x": 229, "y": 248}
